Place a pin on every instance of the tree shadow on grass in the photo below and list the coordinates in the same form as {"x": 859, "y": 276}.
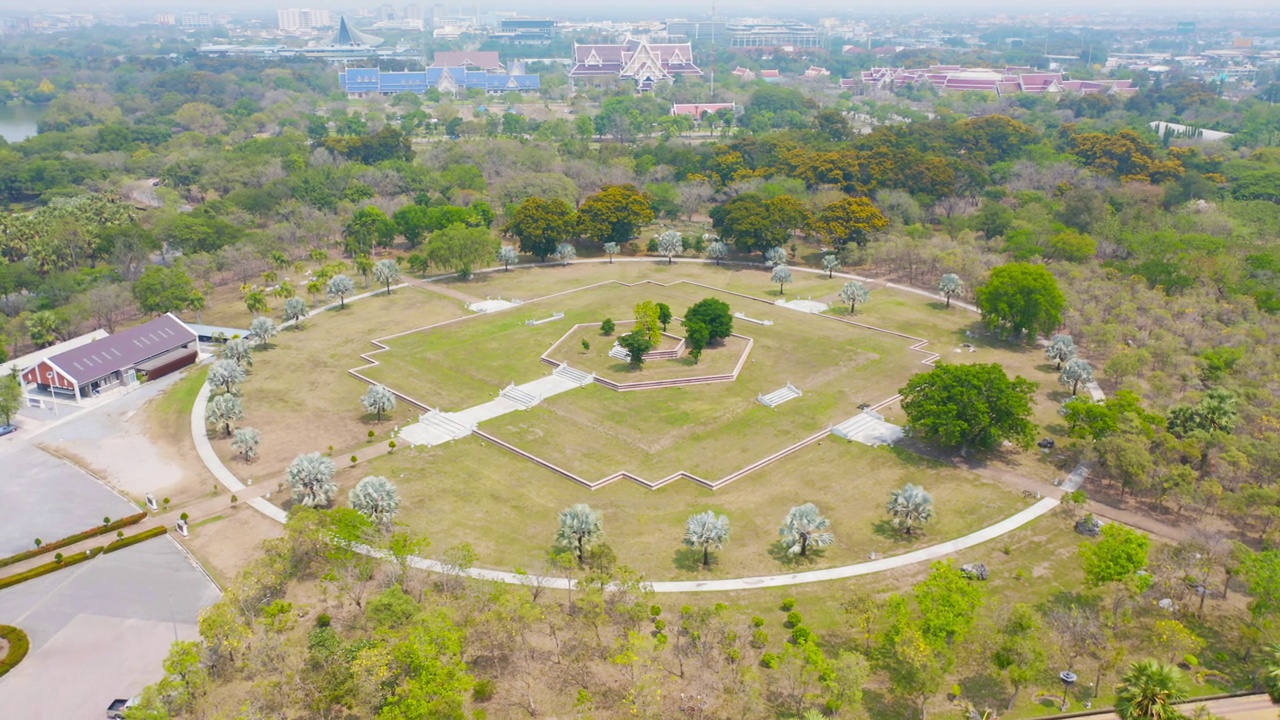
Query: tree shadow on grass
{"x": 883, "y": 706}
{"x": 886, "y": 530}
{"x": 778, "y": 551}
{"x": 688, "y": 559}
{"x": 985, "y": 690}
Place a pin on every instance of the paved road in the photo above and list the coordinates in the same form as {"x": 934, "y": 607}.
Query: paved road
{"x": 100, "y": 629}
{"x": 1250, "y": 707}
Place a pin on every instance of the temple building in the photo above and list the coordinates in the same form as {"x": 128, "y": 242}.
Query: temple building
{"x": 640, "y": 61}
{"x": 367, "y": 82}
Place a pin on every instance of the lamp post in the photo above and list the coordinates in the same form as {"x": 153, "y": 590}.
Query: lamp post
{"x": 1068, "y": 679}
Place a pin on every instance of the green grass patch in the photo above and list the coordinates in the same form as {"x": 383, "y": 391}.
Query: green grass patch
{"x": 19, "y": 646}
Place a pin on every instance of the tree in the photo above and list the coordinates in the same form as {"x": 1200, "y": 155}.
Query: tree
{"x": 376, "y": 498}
{"x": 714, "y": 314}
{"x": 387, "y": 273}
{"x": 649, "y": 320}
{"x": 223, "y": 411}
{"x": 853, "y": 293}
{"x": 363, "y": 265}
{"x": 161, "y": 289}
{"x": 849, "y": 219}
{"x": 10, "y": 395}
{"x": 541, "y": 225}
{"x": 664, "y": 315}
{"x": 311, "y": 479}
{"x": 970, "y": 406}
{"x": 255, "y": 299}
{"x": 110, "y": 304}
{"x": 47, "y": 327}
{"x": 948, "y": 603}
{"x": 413, "y": 222}
{"x": 566, "y": 252}
{"x": 295, "y": 310}
{"x": 910, "y": 507}
{"x": 950, "y": 285}
{"x": 378, "y": 400}
{"x": 226, "y": 374}
{"x": 755, "y": 224}
{"x": 611, "y": 249}
{"x": 1150, "y": 690}
{"x": 580, "y": 528}
{"x": 916, "y": 667}
{"x": 1271, "y": 674}
{"x": 1020, "y": 298}
{"x": 1020, "y": 651}
{"x": 804, "y": 527}
{"x": 1215, "y": 413}
{"x": 461, "y": 248}
{"x": 239, "y": 351}
{"x": 1061, "y": 349}
{"x": 368, "y": 227}
{"x": 782, "y": 276}
{"x": 508, "y": 256}
{"x": 636, "y": 343}
{"x": 830, "y": 263}
{"x": 707, "y": 531}
{"x": 775, "y": 256}
{"x": 262, "y": 329}
{"x": 1117, "y": 556}
{"x": 340, "y": 286}
{"x": 247, "y": 440}
{"x": 670, "y": 244}
{"x": 1076, "y": 371}
{"x": 607, "y": 327}
{"x": 697, "y": 335}
{"x": 718, "y": 250}
{"x": 614, "y": 214}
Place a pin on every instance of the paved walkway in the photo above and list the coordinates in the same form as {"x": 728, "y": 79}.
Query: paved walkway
{"x": 1248, "y": 707}
{"x": 460, "y": 423}
{"x": 205, "y": 450}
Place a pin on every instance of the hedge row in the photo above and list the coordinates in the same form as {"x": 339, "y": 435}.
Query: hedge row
{"x": 135, "y": 539}
{"x": 19, "y": 644}
{"x": 73, "y": 539}
{"x": 47, "y": 568}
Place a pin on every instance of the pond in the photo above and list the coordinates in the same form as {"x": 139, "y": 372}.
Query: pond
{"x": 18, "y": 120}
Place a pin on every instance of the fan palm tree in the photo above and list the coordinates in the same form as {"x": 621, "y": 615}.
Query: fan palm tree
{"x": 376, "y": 498}
{"x": 706, "y": 530}
{"x": 1271, "y": 674}
{"x": 1150, "y": 690}
{"x": 804, "y": 527}
{"x": 949, "y": 285}
{"x": 311, "y": 478}
{"x": 1061, "y": 349}
{"x": 911, "y": 507}
{"x": 580, "y": 527}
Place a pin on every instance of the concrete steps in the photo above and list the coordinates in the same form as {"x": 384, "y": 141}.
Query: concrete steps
{"x": 777, "y": 397}
{"x": 445, "y": 424}
{"x": 577, "y": 377}
{"x": 851, "y": 427}
{"x": 520, "y": 397}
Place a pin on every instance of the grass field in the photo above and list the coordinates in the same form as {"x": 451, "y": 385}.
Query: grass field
{"x": 718, "y": 359}
{"x": 470, "y": 491}
{"x": 707, "y": 430}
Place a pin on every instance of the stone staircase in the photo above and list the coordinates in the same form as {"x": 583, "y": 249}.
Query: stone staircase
{"x": 777, "y": 397}
{"x": 445, "y": 424}
{"x": 850, "y": 428}
{"x": 617, "y": 352}
{"x": 520, "y": 397}
{"x": 577, "y": 377}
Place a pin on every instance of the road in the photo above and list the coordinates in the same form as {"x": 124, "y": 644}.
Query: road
{"x": 1249, "y": 707}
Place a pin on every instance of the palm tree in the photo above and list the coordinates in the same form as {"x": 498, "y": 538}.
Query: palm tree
{"x": 311, "y": 478}
{"x": 612, "y": 248}
{"x": 262, "y": 329}
{"x": 364, "y": 266}
{"x": 247, "y": 441}
{"x": 949, "y": 285}
{"x": 782, "y": 276}
{"x": 376, "y": 498}
{"x": 1150, "y": 690}
{"x": 830, "y": 263}
{"x": 1076, "y": 371}
{"x": 508, "y": 256}
{"x": 222, "y": 411}
{"x": 706, "y": 530}
{"x": 340, "y": 286}
{"x": 853, "y": 293}
{"x": 1061, "y": 349}
{"x": 718, "y": 249}
{"x": 226, "y": 374}
{"x": 1271, "y": 675}
{"x": 378, "y": 399}
{"x": 804, "y": 527}
{"x": 238, "y": 350}
{"x": 911, "y": 507}
{"x": 580, "y": 527}
{"x": 387, "y": 273}
{"x": 295, "y": 310}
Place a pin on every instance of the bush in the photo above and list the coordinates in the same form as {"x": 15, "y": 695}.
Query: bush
{"x": 43, "y": 547}
{"x": 759, "y": 638}
{"x": 757, "y": 621}
{"x": 184, "y": 517}
{"x": 354, "y": 459}
{"x": 659, "y": 624}
{"x": 324, "y": 620}
{"x": 57, "y": 558}
{"x": 801, "y": 634}
{"x": 135, "y": 539}
{"x": 794, "y": 619}
{"x": 19, "y": 644}
{"x": 788, "y": 605}
{"x": 372, "y": 434}
{"x": 607, "y": 327}
{"x": 770, "y": 660}
{"x": 483, "y": 691}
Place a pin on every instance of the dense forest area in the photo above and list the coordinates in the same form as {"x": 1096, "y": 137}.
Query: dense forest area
{"x": 187, "y": 184}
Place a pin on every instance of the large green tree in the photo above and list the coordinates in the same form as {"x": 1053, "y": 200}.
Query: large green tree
{"x": 1022, "y": 297}
{"x": 10, "y": 396}
{"x": 462, "y": 248}
{"x": 541, "y": 225}
{"x": 970, "y": 407}
{"x": 712, "y": 313}
{"x": 850, "y": 219}
{"x": 162, "y": 289}
{"x": 615, "y": 214}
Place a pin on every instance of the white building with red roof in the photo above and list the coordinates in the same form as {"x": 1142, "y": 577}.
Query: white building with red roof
{"x": 697, "y": 111}
{"x": 1007, "y": 81}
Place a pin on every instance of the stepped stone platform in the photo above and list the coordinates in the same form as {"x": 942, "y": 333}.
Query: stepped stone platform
{"x": 869, "y": 428}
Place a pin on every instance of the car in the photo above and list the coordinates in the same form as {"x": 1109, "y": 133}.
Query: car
{"x": 6, "y": 429}
{"x": 117, "y": 708}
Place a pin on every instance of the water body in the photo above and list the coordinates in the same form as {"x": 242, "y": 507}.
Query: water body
{"x": 18, "y": 121}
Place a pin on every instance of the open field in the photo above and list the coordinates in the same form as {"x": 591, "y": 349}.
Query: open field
{"x": 718, "y": 359}
{"x": 470, "y": 491}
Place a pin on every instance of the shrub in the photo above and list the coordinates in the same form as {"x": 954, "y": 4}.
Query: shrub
{"x": 354, "y": 459}
{"x": 801, "y": 634}
{"x": 607, "y": 327}
{"x": 184, "y": 517}
{"x": 57, "y": 558}
{"x": 372, "y": 434}
{"x": 234, "y": 499}
{"x": 19, "y": 645}
{"x": 43, "y": 547}
{"x": 47, "y": 568}
{"x": 659, "y": 624}
{"x": 759, "y": 638}
{"x": 770, "y": 660}
{"x": 324, "y": 620}
{"x": 757, "y": 621}
{"x": 794, "y": 619}
{"x": 166, "y": 501}
{"x": 483, "y": 691}
{"x": 655, "y": 610}
{"x": 788, "y": 605}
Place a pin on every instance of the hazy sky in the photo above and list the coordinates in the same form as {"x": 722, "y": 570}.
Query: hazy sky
{"x": 666, "y": 8}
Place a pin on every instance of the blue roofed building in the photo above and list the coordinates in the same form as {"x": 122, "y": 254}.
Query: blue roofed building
{"x": 366, "y": 82}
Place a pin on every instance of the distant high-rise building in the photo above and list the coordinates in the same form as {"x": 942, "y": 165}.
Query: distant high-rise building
{"x": 299, "y": 19}
{"x": 195, "y": 20}
{"x": 386, "y": 12}
{"x": 413, "y": 11}
{"x": 166, "y": 19}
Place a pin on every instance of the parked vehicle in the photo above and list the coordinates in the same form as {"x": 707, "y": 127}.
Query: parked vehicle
{"x": 115, "y": 711}
{"x": 6, "y": 429}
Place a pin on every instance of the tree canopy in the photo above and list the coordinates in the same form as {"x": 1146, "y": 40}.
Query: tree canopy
{"x": 1022, "y": 298}
{"x": 970, "y": 407}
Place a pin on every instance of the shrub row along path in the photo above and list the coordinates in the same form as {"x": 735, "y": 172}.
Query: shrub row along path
{"x": 204, "y": 449}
